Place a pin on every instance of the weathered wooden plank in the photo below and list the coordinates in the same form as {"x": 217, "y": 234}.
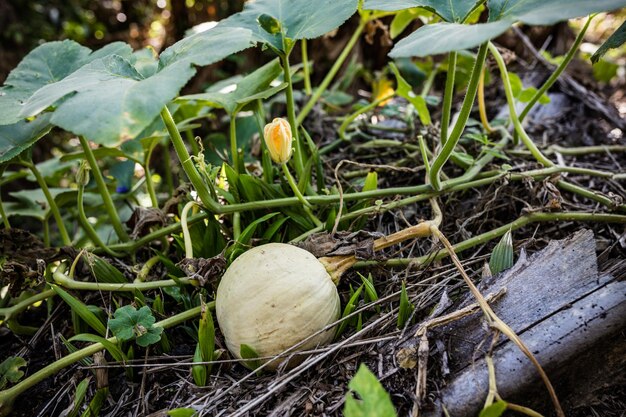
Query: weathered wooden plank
{"x": 556, "y": 303}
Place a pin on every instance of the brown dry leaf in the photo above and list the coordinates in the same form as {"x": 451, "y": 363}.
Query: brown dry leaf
{"x": 143, "y": 218}
{"x": 205, "y": 270}
{"x": 360, "y": 244}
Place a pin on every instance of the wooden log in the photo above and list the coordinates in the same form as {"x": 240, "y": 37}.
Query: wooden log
{"x": 559, "y": 306}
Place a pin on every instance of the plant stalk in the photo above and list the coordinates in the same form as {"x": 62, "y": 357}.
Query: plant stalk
{"x": 54, "y": 209}
{"x": 291, "y": 115}
{"x": 528, "y": 142}
{"x": 187, "y": 163}
{"x": 332, "y": 72}
{"x": 466, "y": 108}
{"x": 448, "y": 94}
{"x": 104, "y": 191}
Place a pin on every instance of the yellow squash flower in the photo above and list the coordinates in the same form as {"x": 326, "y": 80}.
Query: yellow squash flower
{"x": 278, "y": 139}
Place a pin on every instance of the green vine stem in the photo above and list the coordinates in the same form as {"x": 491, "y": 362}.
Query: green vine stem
{"x": 104, "y": 191}
{"x": 8, "y": 312}
{"x": 54, "y": 209}
{"x": 573, "y": 151}
{"x": 352, "y": 117}
{"x": 419, "y": 193}
{"x": 5, "y": 219}
{"x": 519, "y": 129}
{"x": 63, "y": 280}
{"x": 291, "y": 114}
{"x": 459, "y": 126}
{"x": 234, "y": 150}
{"x": 148, "y": 175}
{"x": 498, "y": 232}
{"x": 8, "y": 396}
{"x": 333, "y": 71}
{"x": 185, "y": 228}
{"x": 447, "y": 96}
{"x": 89, "y": 230}
{"x": 187, "y": 163}
{"x": 557, "y": 72}
{"x": 143, "y": 273}
{"x": 305, "y": 67}
{"x": 306, "y": 206}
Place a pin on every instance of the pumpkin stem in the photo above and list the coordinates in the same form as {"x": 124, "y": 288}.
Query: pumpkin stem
{"x": 338, "y": 265}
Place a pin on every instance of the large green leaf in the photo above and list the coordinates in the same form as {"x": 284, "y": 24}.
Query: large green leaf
{"x": 112, "y": 100}
{"x": 449, "y": 10}
{"x": 445, "y": 37}
{"x": 542, "y": 12}
{"x": 300, "y": 19}
{"x": 47, "y": 64}
{"x": 248, "y": 87}
{"x": 16, "y": 138}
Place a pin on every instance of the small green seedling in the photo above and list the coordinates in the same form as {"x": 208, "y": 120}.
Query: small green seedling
{"x": 132, "y": 324}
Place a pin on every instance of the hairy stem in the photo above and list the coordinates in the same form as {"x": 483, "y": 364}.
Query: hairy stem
{"x": 187, "y": 163}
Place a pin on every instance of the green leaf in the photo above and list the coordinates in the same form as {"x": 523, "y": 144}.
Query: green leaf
{"x": 47, "y": 64}
{"x": 449, "y": 10}
{"x": 181, "y": 412}
{"x": 300, "y": 19}
{"x": 16, "y": 138}
{"x": 440, "y": 38}
{"x": 502, "y": 255}
{"x": 111, "y": 347}
{"x": 10, "y": 372}
{"x": 406, "y": 308}
{"x": 198, "y": 372}
{"x": 616, "y": 40}
{"x": 129, "y": 323}
{"x": 445, "y": 37}
{"x": 248, "y": 352}
{"x": 231, "y": 97}
{"x": 494, "y": 410}
{"x": 79, "y": 396}
{"x": 113, "y": 102}
{"x": 542, "y": 12}
{"x": 604, "y": 70}
{"x": 374, "y": 402}
{"x": 347, "y": 310}
{"x": 81, "y": 309}
{"x": 405, "y": 91}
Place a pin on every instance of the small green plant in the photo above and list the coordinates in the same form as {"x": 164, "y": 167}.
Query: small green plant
{"x": 138, "y": 325}
{"x": 373, "y": 400}
{"x": 10, "y": 371}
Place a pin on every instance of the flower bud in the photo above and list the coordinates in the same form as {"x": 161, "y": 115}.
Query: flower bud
{"x": 278, "y": 139}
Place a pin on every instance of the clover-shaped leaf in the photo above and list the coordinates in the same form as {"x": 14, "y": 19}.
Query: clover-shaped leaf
{"x": 129, "y": 323}
{"x": 10, "y": 370}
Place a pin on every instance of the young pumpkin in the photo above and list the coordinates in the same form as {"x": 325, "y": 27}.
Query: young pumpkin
{"x": 274, "y": 296}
